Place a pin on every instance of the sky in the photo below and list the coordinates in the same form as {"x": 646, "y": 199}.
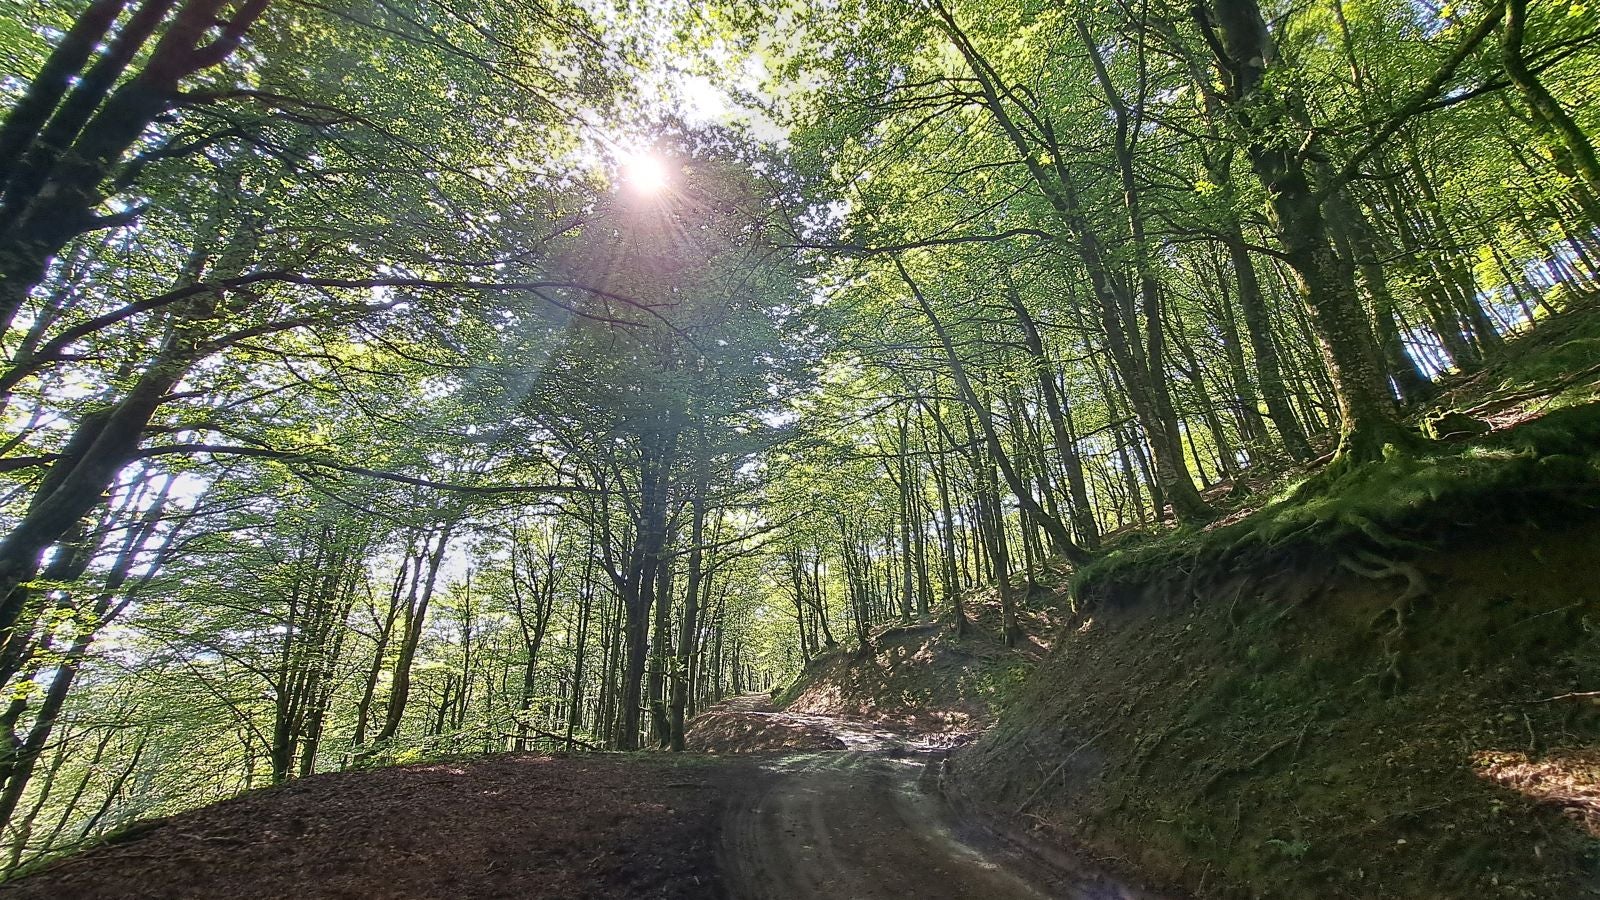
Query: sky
{"x": 673, "y": 81}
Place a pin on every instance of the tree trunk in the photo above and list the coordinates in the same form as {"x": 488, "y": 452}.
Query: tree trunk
{"x": 689, "y": 626}
{"x": 415, "y": 615}
{"x": 1323, "y": 278}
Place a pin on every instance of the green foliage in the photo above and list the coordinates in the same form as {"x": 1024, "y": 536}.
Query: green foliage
{"x": 1403, "y": 501}
{"x": 422, "y": 403}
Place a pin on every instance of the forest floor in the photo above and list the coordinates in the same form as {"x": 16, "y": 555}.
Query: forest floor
{"x": 600, "y": 827}
{"x": 871, "y": 822}
{"x": 865, "y": 819}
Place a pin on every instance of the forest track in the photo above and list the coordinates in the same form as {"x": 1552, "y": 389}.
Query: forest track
{"x": 871, "y": 823}
{"x": 864, "y": 823}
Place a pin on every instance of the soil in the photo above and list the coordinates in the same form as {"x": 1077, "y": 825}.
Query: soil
{"x": 872, "y": 823}
{"x": 1326, "y": 727}
{"x": 749, "y": 724}
{"x": 866, "y": 821}
{"x": 597, "y": 827}
{"x": 921, "y": 679}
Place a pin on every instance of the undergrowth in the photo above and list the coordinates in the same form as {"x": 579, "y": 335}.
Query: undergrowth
{"x": 1408, "y": 501}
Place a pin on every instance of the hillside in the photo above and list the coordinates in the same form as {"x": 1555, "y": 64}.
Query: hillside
{"x": 1323, "y": 732}
{"x": 560, "y": 828}
{"x": 1380, "y": 685}
{"x": 923, "y": 678}
{"x": 801, "y": 450}
{"x": 920, "y": 680}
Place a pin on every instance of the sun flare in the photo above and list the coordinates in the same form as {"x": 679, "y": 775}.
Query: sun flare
{"x": 645, "y": 173}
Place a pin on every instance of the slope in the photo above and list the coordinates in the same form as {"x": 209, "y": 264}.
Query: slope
{"x": 1380, "y": 685}
{"x": 594, "y": 827}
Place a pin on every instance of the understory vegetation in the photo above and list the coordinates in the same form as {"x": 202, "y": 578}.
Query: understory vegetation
{"x": 390, "y": 382}
{"x": 1331, "y": 722}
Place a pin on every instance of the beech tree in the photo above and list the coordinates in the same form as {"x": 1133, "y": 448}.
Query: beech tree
{"x": 389, "y": 380}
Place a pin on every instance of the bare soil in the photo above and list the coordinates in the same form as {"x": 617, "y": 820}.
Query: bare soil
{"x": 921, "y": 679}
{"x": 1312, "y": 731}
{"x": 750, "y": 724}
{"x": 873, "y": 823}
{"x": 597, "y": 827}
{"x": 868, "y": 821}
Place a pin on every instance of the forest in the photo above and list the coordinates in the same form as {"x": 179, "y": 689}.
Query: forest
{"x": 398, "y": 381}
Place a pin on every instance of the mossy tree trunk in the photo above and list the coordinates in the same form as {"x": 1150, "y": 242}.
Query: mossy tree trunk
{"x": 1572, "y": 148}
{"x": 1276, "y": 143}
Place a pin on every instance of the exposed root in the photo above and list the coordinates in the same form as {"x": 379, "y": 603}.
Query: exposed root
{"x": 1371, "y": 565}
{"x": 1145, "y": 748}
{"x": 1059, "y": 766}
{"x": 1237, "y": 596}
{"x": 1231, "y": 771}
{"x": 1303, "y": 592}
{"x": 1495, "y": 404}
{"x": 1575, "y": 695}
{"x": 1378, "y": 535}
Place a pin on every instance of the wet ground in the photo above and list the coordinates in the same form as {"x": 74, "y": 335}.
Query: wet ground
{"x": 870, "y": 822}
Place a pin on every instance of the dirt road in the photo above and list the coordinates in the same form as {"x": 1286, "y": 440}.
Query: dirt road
{"x": 869, "y": 822}
{"x": 865, "y": 822}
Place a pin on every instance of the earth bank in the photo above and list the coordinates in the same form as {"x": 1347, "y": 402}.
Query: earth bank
{"x": 1332, "y": 720}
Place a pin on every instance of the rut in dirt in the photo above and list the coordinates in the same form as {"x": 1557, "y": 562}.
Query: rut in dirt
{"x": 871, "y": 822}
{"x": 866, "y": 822}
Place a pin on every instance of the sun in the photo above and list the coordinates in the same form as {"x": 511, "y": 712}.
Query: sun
{"x": 645, "y": 173}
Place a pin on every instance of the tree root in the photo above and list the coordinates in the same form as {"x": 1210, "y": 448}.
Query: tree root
{"x": 1371, "y": 565}
{"x": 1231, "y": 771}
{"x": 1495, "y": 404}
{"x": 1145, "y": 749}
{"x": 1237, "y": 596}
{"x": 1023, "y": 806}
{"x": 1374, "y": 532}
{"x": 1575, "y": 695}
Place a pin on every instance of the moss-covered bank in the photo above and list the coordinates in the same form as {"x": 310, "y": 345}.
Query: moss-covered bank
{"x": 1377, "y": 687}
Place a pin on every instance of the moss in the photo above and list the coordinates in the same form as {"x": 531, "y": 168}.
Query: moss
{"x": 1542, "y": 469}
{"x": 1247, "y": 746}
{"x": 1446, "y": 424}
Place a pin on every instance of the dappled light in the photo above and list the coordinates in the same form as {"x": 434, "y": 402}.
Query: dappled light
{"x": 799, "y": 450}
{"x": 1566, "y": 780}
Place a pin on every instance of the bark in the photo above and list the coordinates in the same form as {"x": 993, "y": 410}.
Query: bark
{"x": 636, "y": 577}
{"x": 1264, "y": 346}
{"x": 1081, "y": 511}
{"x": 907, "y": 574}
{"x": 1133, "y": 357}
{"x": 585, "y": 607}
{"x": 72, "y": 487}
{"x": 1151, "y": 370}
{"x": 54, "y": 190}
{"x": 689, "y": 627}
{"x": 952, "y": 588}
{"x": 1566, "y": 137}
{"x": 534, "y": 608}
{"x": 385, "y": 632}
{"x": 30, "y": 113}
{"x": 1024, "y": 494}
{"x": 416, "y": 614}
{"x": 1323, "y": 278}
